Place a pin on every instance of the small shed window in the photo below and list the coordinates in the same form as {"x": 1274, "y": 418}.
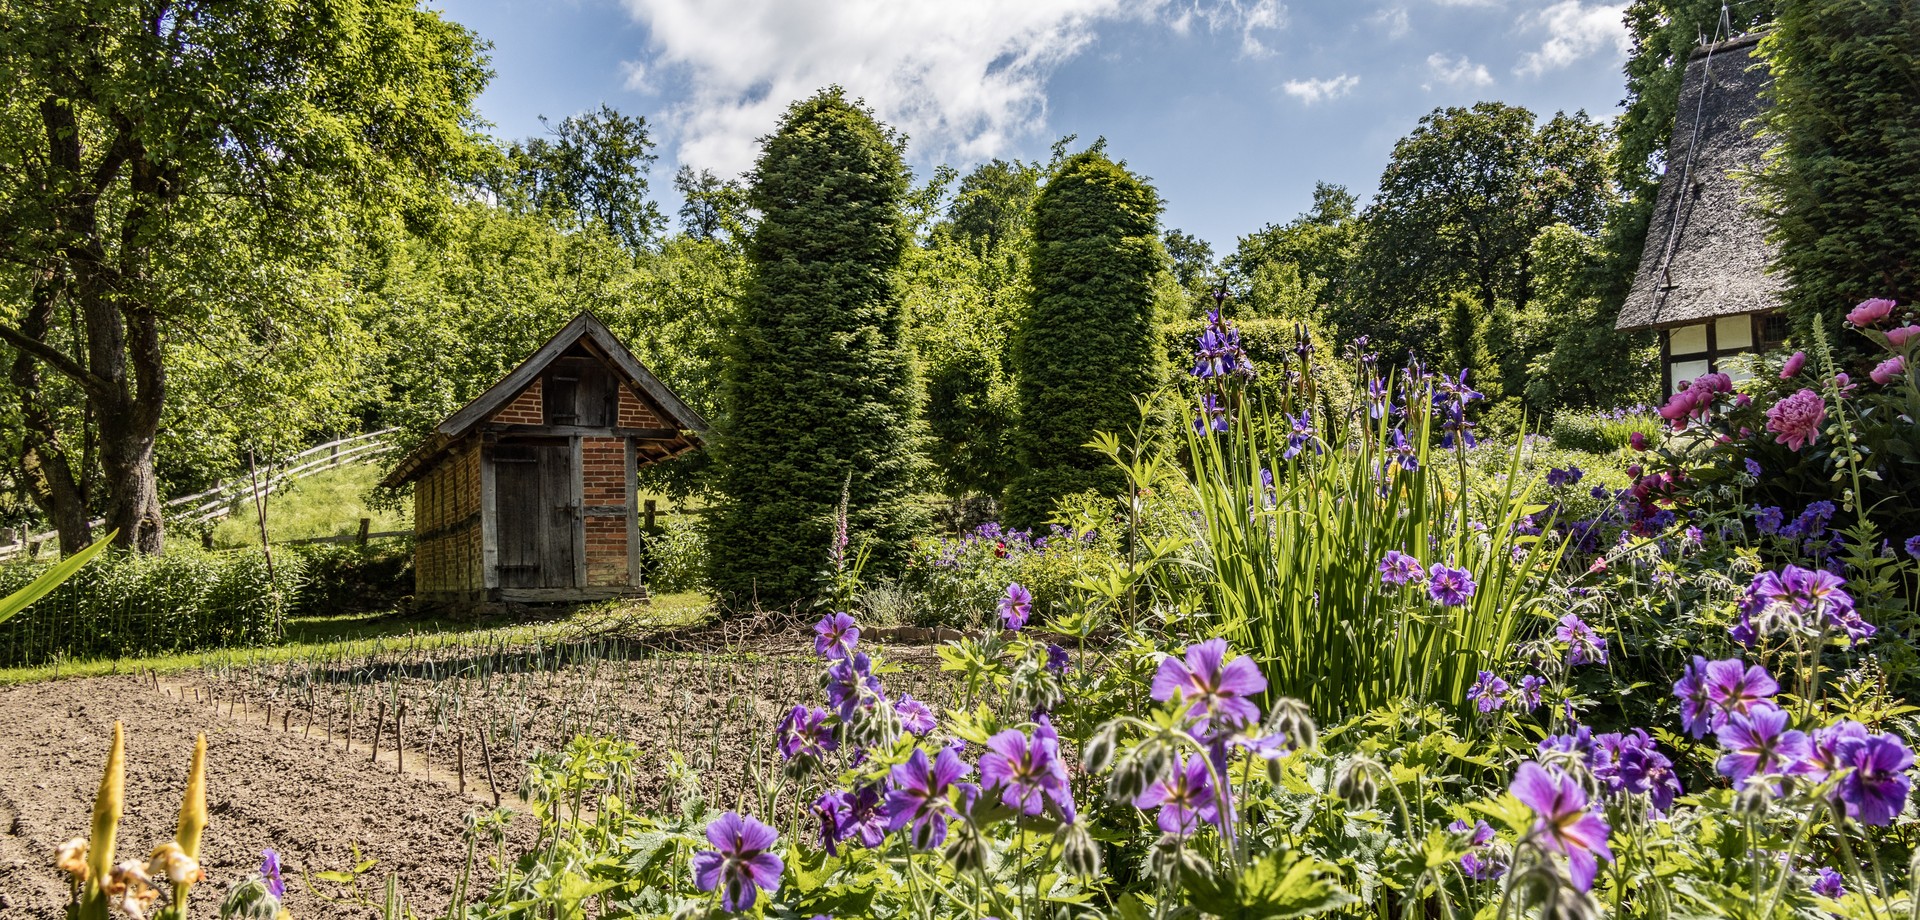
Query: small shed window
{"x": 1688, "y": 340}
{"x": 1733, "y": 333}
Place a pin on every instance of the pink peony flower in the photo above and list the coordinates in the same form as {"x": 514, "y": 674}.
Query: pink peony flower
{"x": 1637, "y": 440}
{"x": 1871, "y": 311}
{"x": 1901, "y": 336}
{"x": 1793, "y": 365}
{"x": 1795, "y": 420}
{"x": 1889, "y": 370}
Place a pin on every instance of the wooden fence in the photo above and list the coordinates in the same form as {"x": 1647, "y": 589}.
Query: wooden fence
{"x": 240, "y": 491}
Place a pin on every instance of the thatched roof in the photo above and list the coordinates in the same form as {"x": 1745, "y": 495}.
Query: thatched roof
{"x": 1706, "y": 253}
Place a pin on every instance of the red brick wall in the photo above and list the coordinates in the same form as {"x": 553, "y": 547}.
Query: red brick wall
{"x": 603, "y": 481}
{"x": 446, "y": 514}
{"x": 637, "y": 413}
{"x": 526, "y": 409}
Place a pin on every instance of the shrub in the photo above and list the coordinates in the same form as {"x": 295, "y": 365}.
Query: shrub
{"x": 128, "y": 605}
{"x": 345, "y": 578}
{"x": 1088, "y": 350}
{"x": 818, "y": 389}
{"x": 674, "y": 556}
{"x": 1604, "y": 432}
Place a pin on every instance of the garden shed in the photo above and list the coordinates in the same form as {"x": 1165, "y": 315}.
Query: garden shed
{"x": 529, "y": 493}
{"x": 1703, "y": 281}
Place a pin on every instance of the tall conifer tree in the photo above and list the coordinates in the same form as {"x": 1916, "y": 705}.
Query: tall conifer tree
{"x": 1089, "y": 345}
{"x": 818, "y": 389}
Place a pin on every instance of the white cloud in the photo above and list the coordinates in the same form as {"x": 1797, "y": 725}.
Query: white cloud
{"x": 1574, "y": 30}
{"x": 1392, "y": 21}
{"x": 962, "y": 79}
{"x": 1248, "y": 17}
{"x": 1321, "y": 90}
{"x": 1458, "y": 71}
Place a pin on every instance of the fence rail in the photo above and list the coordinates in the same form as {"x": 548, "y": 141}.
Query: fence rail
{"x": 221, "y": 500}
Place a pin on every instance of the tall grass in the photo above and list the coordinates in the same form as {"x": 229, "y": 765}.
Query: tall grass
{"x": 1292, "y": 570}
{"x": 132, "y": 605}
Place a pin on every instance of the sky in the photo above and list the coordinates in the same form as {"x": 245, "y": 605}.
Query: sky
{"x": 1232, "y": 108}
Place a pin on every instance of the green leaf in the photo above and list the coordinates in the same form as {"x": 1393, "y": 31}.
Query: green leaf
{"x": 51, "y": 578}
{"x": 1281, "y": 885}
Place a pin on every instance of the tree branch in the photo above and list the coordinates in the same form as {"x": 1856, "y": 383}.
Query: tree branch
{"x": 56, "y": 359}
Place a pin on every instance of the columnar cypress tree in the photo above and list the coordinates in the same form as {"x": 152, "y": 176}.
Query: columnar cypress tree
{"x": 817, "y": 385}
{"x": 1088, "y": 347}
{"x": 1845, "y": 188}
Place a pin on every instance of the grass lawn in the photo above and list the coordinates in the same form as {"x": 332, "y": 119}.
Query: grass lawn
{"x": 371, "y": 633}
{"x": 328, "y": 504}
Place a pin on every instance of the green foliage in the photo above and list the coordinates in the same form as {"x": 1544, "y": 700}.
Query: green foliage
{"x": 340, "y": 578}
{"x": 1578, "y": 358}
{"x": 46, "y": 581}
{"x": 1333, "y": 511}
{"x": 817, "y": 386}
{"x": 1458, "y": 209}
{"x": 1088, "y": 349}
{"x": 1603, "y": 432}
{"x": 128, "y": 605}
{"x": 592, "y": 174}
{"x": 1842, "y": 190}
{"x": 1293, "y": 270}
{"x": 674, "y": 556}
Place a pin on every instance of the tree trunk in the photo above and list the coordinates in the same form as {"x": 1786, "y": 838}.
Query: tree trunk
{"x": 44, "y": 467}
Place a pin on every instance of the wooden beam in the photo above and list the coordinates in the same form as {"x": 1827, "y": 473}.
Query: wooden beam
{"x": 489, "y": 520}
{"x": 579, "y": 515}
{"x": 633, "y": 527}
{"x": 566, "y": 595}
{"x": 581, "y": 431}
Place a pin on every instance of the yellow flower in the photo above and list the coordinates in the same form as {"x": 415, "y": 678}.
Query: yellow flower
{"x": 71, "y": 858}
{"x": 171, "y": 862}
{"x": 193, "y": 805}
{"x": 106, "y": 808}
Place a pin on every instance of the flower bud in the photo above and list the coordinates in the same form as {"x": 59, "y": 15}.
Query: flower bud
{"x": 107, "y": 805}
{"x": 966, "y": 850}
{"x": 1753, "y": 800}
{"x": 193, "y": 804}
{"x": 1098, "y": 754}
{"x": 1355, "y": 781}
{"x": 1292, "y": 720}
{"x": 1079, "y": 852}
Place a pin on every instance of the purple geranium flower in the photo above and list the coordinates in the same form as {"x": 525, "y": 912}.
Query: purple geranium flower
{"x": 851, "y": 684}
{"x": 1218, "y": 688}
{"x": 1875, "y": 789}
{"x": 1801, "y": 595}
{"x": 915, "y": 717}
{"x": 1759, "y": 742}
{"x": 1584, "y": 646}
{"x": 1184, "y": 797}
{"x": 919, "y": 795}
{"x": 1027, "y": 771}
{"x": 1482, "y": 862}
{"x": 851, "y": 813}
{"x": 1015, "y": 606}
{"x": 1563, "y": 823}
{"x": 740, "y": 863}
{"x": 1913, "y": 546}
{"x": 804, "y": 732}
{"x": 1398, "y": 569}
{"x": 1531, "y": 687}
{"x": 1712, "y": 691}
{"x": 835, "y": 635}
{"x": 1829, "y": 884}
{"x": 1630, "y": 764}
{"x": 270, "y": 873}
{"x": 1449, "y": 586}
{"x": 1489, "y": 692}
{"x": 1058, "y": 659}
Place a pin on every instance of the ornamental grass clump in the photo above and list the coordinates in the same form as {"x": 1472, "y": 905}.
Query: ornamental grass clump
{"x": 1348, "y": 553}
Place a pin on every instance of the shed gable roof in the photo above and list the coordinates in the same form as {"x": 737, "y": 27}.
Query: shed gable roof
{"x": 1707, "y": 252}
{"x": 585, "y": 329}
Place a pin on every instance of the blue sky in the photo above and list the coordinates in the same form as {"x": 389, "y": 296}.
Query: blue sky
{"x": 1234, "y": 108}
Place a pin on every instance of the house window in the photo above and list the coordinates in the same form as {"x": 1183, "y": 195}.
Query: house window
{"x": 1703, "y": 348}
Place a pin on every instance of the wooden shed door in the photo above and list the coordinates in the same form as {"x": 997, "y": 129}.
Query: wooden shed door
{"x": 535, "y": 515}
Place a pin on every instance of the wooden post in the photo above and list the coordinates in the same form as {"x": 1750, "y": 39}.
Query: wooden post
{"x": 378, "y": 727}
{"x": 652, "y": 509}
{"x": 366, "y": 523}
{"x": 266, "y": 546}
{"x": 486, "y": 754}
{"x": 460, "y": 755}
{"x": 399, "y": 737}
{"x": 206, "y": 538}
